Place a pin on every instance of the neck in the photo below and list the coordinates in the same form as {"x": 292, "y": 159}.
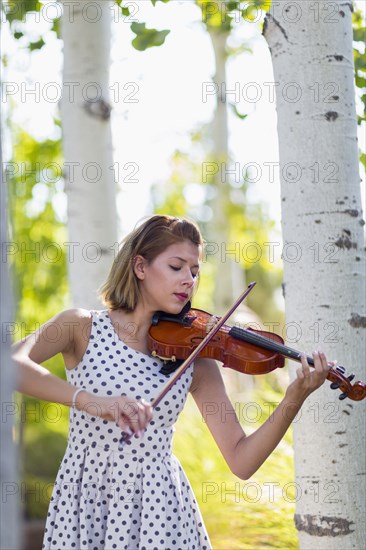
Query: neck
{"x": 132, "y": 327}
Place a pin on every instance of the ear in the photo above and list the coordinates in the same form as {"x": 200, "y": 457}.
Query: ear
{"x": 139, "y": 264}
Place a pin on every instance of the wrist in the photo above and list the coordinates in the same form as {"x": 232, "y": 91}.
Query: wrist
{"x": 292, "y": 403}
{"x": 80, "y": 399}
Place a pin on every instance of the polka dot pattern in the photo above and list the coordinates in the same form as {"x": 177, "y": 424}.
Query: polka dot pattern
{"x": 135, "y": 499}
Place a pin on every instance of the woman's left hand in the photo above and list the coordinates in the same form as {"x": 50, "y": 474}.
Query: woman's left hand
{"x": 309, "y": 379}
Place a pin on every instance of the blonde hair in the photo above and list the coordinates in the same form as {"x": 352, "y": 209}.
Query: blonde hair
{"x": 151, "y": 238}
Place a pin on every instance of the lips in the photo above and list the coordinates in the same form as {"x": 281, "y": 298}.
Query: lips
{"x": 181, "y": 296}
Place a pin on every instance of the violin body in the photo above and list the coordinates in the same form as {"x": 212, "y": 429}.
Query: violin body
{"x": 177, "y": 341}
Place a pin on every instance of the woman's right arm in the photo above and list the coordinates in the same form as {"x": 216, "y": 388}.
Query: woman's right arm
{"x": 58, "y": 335}
{"x": 66, "y": 333}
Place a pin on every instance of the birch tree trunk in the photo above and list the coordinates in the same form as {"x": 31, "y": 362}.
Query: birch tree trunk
{"x": 229, "y": 274}
{"x": 10, "y": 490}
{"x": 324, "y": 257}
{"x": 87, "y": 141}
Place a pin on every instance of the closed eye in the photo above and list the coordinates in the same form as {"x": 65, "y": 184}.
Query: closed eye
{"x": 174, "y": 268}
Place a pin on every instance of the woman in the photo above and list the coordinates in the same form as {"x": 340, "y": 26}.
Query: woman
{"x": 139, "y": 497}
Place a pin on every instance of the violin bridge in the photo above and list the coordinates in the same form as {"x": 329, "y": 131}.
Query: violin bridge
{"x": 172, "y": 358}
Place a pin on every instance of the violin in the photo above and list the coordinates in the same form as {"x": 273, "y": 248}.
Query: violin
{"x": 190, "y": 334}
{"x": 249, "y": 351}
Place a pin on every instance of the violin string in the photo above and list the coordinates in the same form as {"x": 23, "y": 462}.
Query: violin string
{"x": 266, "y": 343}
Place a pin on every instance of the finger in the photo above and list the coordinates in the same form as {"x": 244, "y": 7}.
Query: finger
{"x": 300, "y": 373}
{"x": 320, "y": 362}
{"x": 305, "y": 365}
{"x": 129, "y": 415}
{"x": 324, "y": 362}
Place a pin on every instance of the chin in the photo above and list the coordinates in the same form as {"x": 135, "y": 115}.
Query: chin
{"x": 174, "y": 308}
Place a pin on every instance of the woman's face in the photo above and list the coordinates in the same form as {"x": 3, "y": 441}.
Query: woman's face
{"x": 168, "y": 282}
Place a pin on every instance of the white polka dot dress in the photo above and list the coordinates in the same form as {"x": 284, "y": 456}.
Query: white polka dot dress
{"x": 135, "y": 499}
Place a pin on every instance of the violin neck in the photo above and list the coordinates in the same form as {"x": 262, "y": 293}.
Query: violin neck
{"x": 246, "y": 335}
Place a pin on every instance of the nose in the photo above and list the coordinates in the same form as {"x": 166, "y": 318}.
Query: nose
{"x": 189, "y": 279}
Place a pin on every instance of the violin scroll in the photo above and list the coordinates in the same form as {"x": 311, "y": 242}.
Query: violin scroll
{"x": 356, "y": 392}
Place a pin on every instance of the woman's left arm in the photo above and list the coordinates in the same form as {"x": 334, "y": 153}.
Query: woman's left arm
{"x": 245, "y": 454}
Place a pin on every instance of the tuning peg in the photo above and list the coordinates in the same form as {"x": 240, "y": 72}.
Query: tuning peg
{"x": 343, "y": 396}
{"x": 351, "y": 377}
{"x": 341, "y": 369}
{"x": 334, "y": 385}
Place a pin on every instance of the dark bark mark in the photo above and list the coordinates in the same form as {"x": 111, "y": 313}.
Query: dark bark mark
{"x": 349, "y": 5}
{"x": 362, "y": 222}
{"x": 283, "y": 289}
{"x": 347, "y": 413}
{"x": 340, "y": 433}
{"x": 343, "y": 445}
{"x": 325, "y": 305}
{"x": 266, "y": 23}
{"x": 344, "y": 240}
{"x": 331, "y": 115}
{"x": 317, "y": 221}
{"x": 337, "y": 57}
{"x": 357, "y": 321}
{"x": 99, "y": 108}
{"x": 352, "y": 212}
{"x": 323, "y": 526}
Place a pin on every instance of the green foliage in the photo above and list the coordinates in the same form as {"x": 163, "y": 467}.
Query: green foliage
{"x": 37, "y": 259}
{"x": 16, "y": 10}
{"x": 38, "y": 264}
{"x": 147, "y": 38}
{"x": 222, "y": 16}
{"x": 16, "y": 13}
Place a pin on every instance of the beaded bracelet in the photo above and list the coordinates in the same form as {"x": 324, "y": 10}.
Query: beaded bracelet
{"x": 75, "y": 396}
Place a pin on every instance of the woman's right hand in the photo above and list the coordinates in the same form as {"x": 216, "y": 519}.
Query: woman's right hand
{"x": 125, "y": 411}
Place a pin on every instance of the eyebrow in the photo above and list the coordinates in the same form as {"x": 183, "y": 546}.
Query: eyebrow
{"x": 183, "y": 260}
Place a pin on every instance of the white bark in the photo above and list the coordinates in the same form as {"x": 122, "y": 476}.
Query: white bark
{"x": 324, "y": 267}
{"x": 229, "y": 273}
{"x": 88, "y": 152}
{"x": 10, "y": 489}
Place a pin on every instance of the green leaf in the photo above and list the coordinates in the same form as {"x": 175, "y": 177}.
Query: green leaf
{"x": 360, "y": 63}
{"x": 18, "y": 35}
{"x": 56, "y": 27}
{"x": 360, "y": 81}
{"x": 239, "y": 115}
{"x": 36, "y": 45}
{"x": 359, "y": 35}
{"x": 147, "y": 38}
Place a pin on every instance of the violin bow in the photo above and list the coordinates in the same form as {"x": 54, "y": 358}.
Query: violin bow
{"x": 126, "y": 436}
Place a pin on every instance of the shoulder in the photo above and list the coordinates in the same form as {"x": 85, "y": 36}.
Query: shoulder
{"x": 76, "y": 317}
{"x": 76, "y": 325}
{"x": 73, "y": 325}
